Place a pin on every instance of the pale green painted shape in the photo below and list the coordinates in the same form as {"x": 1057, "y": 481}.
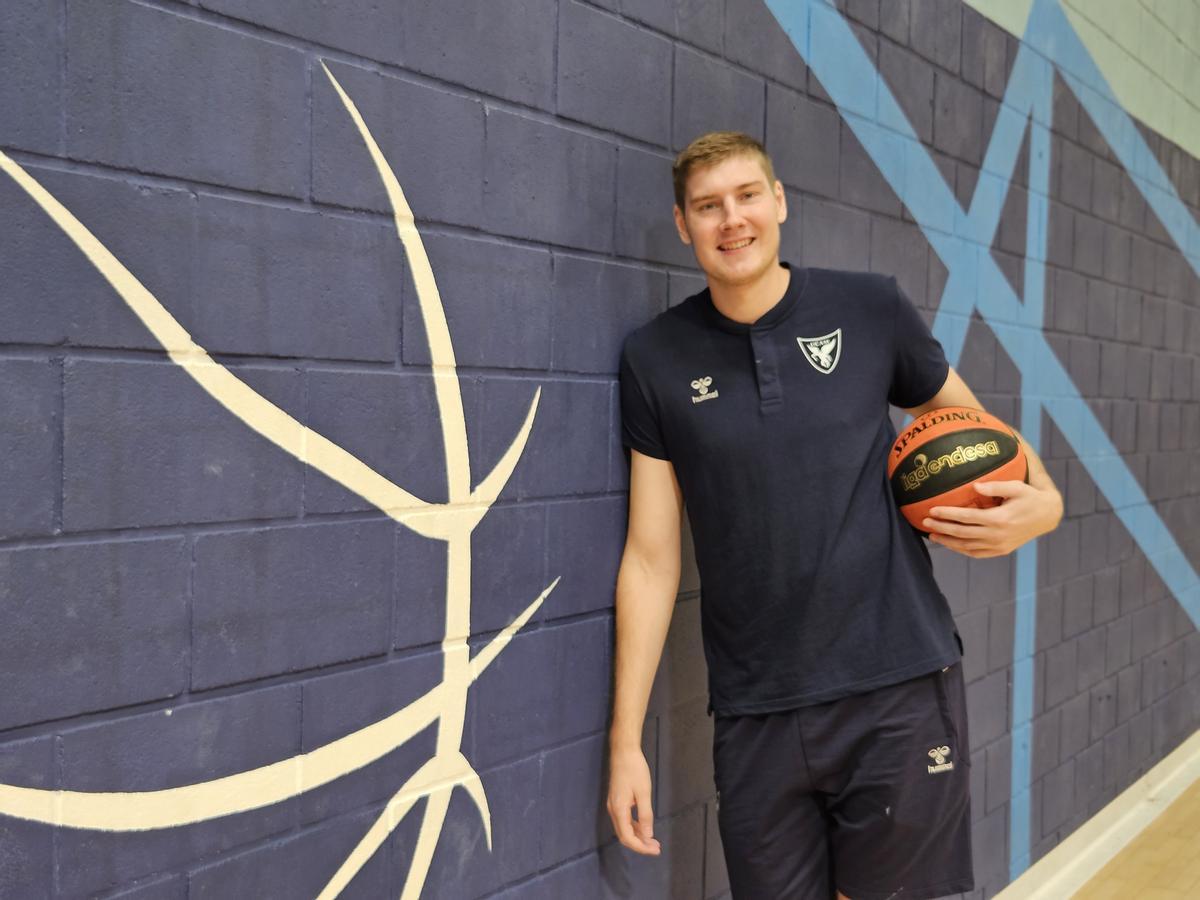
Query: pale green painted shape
{"x": 1148, "y": 50}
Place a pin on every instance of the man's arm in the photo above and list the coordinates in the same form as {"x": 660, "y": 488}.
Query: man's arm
{"x": 1025, "y": 512}
{"x": 647, "y": 583}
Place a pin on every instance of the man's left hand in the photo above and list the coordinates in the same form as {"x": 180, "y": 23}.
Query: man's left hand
{"x": 1024, "y": 513}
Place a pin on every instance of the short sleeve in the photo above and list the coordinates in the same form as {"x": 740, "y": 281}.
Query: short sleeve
{"x": 919, "y": 367}
{"x": 639, "y": 423}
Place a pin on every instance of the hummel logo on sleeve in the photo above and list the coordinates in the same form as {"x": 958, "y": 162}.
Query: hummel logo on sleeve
{"x": 822, "y": 352}
{"x": 701, "y": 385}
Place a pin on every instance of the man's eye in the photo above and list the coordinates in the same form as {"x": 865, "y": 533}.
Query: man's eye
{"x": 750, "y": 194}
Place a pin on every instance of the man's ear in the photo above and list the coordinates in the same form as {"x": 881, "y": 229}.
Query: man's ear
{"x": 681, "y": 226}
{"x": 781, "y": 201}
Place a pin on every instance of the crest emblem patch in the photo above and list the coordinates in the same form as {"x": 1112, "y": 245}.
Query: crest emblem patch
{"x": 822, "y": 352}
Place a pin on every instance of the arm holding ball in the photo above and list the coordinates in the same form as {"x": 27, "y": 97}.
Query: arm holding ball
{"x": 1026, "y": 511}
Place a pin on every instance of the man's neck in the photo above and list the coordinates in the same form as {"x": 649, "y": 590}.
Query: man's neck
{"x": 747, "y": 303}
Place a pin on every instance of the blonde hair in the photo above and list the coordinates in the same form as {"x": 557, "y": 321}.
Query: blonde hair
{"x": 710, "y": 149}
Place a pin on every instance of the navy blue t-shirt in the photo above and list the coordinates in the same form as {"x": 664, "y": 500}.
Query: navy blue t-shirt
{"x": 813, "y": 586}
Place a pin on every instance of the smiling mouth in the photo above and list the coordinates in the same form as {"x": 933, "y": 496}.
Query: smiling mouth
{"x": 731, "y": 246}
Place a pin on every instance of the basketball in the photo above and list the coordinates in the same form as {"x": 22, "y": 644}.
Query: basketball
{"x": 941, "y": 454}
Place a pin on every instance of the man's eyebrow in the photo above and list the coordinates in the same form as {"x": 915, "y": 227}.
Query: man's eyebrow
{"x": 758, "y": 182}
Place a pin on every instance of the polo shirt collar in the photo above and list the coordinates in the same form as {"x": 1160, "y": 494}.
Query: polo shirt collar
{"x": 768, "y": 320}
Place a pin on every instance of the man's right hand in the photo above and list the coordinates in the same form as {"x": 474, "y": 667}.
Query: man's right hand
{"x": 629, "y": 787}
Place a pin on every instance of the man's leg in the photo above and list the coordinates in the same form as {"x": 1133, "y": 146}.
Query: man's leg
{"x": 774, "y": 830}
{"x": 894, "y": 765}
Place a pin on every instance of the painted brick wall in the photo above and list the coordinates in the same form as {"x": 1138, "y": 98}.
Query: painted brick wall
{"x": 183, "y": 600}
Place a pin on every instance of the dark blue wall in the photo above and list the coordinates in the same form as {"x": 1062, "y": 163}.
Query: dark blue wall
{"x": 181, "y": 599}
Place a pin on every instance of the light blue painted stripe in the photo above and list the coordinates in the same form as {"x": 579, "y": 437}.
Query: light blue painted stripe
{"x": 1041, "y": 93}
{"x": 1054, "y": 36}
{"x": 1024, "y": 633}
{"x": 1057, "y": 39}
{"x": 960, "y": 295}
{"x": 851, "y": 80}
{"x": 836, "y": 57}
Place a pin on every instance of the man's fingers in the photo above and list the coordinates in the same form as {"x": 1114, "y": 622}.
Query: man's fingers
{"x": 944, "y": 527}
{"x": 636, "y": 834}
{"x": 645, "y": 819}
{"x": 621, "y": 813}
{"x": 1001, "y": 488}
{"x": 969, "y": 515}
{"x": 960, "y": 544}
{"x": 645, "y": 837}
{"x": 644, "y": 827}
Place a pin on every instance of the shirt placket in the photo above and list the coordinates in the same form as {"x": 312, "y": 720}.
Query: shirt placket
{"x": 766, "y": 371}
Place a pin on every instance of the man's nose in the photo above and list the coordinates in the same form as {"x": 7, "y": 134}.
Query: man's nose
{"x": 731, "y": 215}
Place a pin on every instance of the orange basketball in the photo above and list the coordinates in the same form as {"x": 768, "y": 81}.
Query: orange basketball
{"x": 941, "y": 454}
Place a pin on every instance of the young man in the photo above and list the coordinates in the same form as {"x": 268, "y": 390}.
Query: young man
{"x": 840, "y": 748}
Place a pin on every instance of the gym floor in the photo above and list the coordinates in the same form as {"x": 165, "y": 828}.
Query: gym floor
{"x": 1161, "y": 863}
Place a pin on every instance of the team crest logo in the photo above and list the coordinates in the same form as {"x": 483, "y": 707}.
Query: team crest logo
{"x": 938, "y": 755}
{"x": 822, "y": 352}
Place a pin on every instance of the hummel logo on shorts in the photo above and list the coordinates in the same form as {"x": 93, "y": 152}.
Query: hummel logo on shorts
{"x": 938, "y": 755}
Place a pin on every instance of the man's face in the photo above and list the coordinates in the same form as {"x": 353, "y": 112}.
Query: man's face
{"x": 731, "y": 218}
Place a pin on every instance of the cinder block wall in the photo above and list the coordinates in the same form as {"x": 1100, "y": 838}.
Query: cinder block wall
{"x": 183, "y": 600}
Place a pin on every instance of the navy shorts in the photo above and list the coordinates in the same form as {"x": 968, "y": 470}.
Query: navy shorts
{"x": 868, "y": 794}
